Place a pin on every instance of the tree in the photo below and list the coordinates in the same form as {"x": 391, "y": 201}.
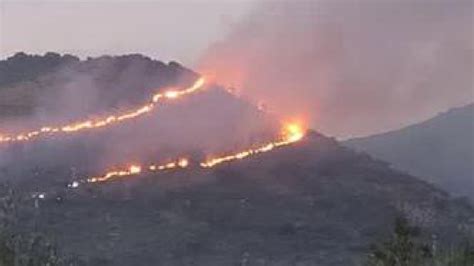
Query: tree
{"x": 406, "y": 247}
{"x": 463, "y": 256}
{"x": 19, "y": 248}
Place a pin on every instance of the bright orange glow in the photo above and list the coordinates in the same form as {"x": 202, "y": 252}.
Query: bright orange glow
{"x": 103, "y": 122}
{"x": 290, "y": 134}
{"x": 183, "y": 163}
{"x": 171, "y": 94}
{"x": 137, "y": 169}
{"x": 134, "y": 169}
{"x": 293, "y": 131}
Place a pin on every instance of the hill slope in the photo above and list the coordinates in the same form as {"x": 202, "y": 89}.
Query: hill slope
{"x": 440, "y": 150}
{"x": 52, "y": 84}
{"x": 315, "y": 203}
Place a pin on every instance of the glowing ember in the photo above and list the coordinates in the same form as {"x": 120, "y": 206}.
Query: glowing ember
{"x": 135, "y": 169}
{"x": 183, "y": 163}
{"x": 74, "y": 184}
{"x": 171, "y": 94}
{"x": 99, "y": 123}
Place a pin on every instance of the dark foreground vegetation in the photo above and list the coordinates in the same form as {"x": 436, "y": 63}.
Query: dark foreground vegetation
{"x": 25, "y": 248}
{"x": 407, "y": 246}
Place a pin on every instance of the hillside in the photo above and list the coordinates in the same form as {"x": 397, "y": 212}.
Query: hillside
{"x": 439, "y": 150}
{"x": 67, "y": 87}
{"x": 22, "y": 67}
{"x": 315, "y": 203}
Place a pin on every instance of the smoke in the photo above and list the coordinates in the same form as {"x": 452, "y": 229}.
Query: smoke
{"x": 204, "y": 125}
{"x": 353, "y": 67}
{"x": 209, "y": 123}
{"x": 103, "y": 84}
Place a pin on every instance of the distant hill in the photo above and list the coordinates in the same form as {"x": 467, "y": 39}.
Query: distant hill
{"x": 63, "y": 84}
{"x": 440, "y": 150}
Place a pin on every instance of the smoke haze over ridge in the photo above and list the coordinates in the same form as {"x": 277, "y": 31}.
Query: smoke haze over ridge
{"x": 352, "y": 68}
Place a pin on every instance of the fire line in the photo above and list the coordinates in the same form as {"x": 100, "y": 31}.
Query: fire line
{"x": 103, "y": 122}
{"x": 136, "y": 170}
{"x": 291, "y": 134}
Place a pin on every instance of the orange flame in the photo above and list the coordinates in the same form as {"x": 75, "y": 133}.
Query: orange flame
{"x": 113, "y": 119}
{"x": 290, "y": 134}
{"x": 137, "y": 169}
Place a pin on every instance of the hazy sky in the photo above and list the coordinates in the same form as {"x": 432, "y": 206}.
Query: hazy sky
{"x": 350, "y": 67}
{"x": 166, "y": 30}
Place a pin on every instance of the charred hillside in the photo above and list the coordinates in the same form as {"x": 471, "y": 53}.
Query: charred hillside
{"x": 314, "y": 203}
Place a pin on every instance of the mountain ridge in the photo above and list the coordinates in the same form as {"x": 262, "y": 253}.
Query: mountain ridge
{"x": 54, "y": 83}
{"x": 439, "y": 150}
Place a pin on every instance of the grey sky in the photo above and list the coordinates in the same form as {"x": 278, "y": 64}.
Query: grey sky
{"x": 167, "y": 30}
{"x": 350, "y": 67}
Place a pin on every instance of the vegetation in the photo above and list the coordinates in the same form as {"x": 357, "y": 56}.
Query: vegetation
{"x": 19, "y": 248}
{"x": 51, "y": 83}
{"x": 22, "y": 67}
{"x": 406, "y": 247}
